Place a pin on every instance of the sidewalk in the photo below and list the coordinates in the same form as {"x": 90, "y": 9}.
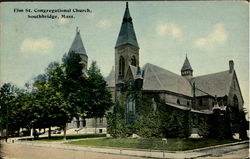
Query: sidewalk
{"x": 196, "y": 153}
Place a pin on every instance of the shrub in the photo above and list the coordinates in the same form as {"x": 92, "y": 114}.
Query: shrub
{"x": 148, "y": 125}
{"x": 116, "y": 122}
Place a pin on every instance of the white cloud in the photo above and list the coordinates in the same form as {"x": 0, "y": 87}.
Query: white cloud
{"x": 217, "y": 36}
{"x": 169, "y": 28}
{"x": 63, "y": 20}
{"x": 104, "y": 23}
{"x": 31, "y": 45}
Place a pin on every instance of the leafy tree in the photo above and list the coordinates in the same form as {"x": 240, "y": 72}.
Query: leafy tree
{"x": 116, "y": 122}
{"x": 72, "y": 64}
{"x": 75, "y": 86}
{"x": 22, "y": 113}
{"x": 8, "y": 110}
{"x": 100, "y": 100}
{"x": 51, "y": 108}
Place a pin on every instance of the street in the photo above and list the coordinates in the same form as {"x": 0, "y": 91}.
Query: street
{"x": 16, "y": 151}
{"x": 239, "y": 154}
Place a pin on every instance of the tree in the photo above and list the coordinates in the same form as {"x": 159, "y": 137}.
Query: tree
{"x": 116, "y": 122}
{"x": 100, "y": 97}
{"x": 72, "y": 65}
{"x": 8, "y": 93}
{"x": 100, "y": 100}
{"x": 51, "y": 108}
{"x": 87, "y": 92}
{"x": 75, "y": 86}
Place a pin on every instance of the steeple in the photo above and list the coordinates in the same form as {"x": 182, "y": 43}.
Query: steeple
{"x": 127, "y": 33}
{"x": 186, "y": 69}
{"x": 78, "y": 48}
{"x": 77, "y": 45}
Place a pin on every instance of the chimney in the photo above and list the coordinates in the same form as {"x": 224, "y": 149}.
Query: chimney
{"x": 231, "y": 66}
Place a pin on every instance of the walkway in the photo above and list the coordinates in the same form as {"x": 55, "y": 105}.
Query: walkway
{"x": 197, "y": 153}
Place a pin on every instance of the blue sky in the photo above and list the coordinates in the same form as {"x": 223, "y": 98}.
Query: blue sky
{"x": 210, "y": 33}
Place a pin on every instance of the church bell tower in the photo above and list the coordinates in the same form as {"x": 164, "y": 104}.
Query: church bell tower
{"x": 126, "y": 48}
{"x": 78, "y": 48}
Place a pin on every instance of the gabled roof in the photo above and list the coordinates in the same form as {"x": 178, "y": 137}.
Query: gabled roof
{"x": 127, "y": 33}
{"x": 157, "y": 78}
{"x": 213, "y": 84}
{"x": 77, "y": 45}
{"x": 133, "y": 70}
{"x": 186, "y": 65}
{"x": 110, "y": 79}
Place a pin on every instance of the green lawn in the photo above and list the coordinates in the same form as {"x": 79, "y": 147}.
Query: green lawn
{"x": 60, "y": 138}
{"x": 152, "y": 143}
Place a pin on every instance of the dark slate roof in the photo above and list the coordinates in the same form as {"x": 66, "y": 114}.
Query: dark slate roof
{"x": 213, "y": 84}
{"x": 157, "y": 78}
{"x": 127, "y": 33}
{"x": 77, "y": 45}
{"x": 186, "y": 65}
{"x": 110, "y": 79}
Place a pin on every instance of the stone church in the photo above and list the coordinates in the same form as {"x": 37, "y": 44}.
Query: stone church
{"x": 199, "y": 95}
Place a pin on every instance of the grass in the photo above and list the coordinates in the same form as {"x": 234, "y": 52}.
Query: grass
{"x": 71, "y": 137}
{"x": 152, "y": 143}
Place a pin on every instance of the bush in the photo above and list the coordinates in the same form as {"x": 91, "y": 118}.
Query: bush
{"x": 148, "y": 125}
{"x": 116, "y": 122}
{"x": 203, "y": 127}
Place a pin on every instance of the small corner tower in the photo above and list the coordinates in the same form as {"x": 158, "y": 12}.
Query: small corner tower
{"x": 78, "y": 48}
{"x": 186, "y": 70}
{"x": 126, "y": 48}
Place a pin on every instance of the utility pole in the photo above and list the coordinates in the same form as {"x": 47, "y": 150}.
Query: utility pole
{"x": 7, "y": 121}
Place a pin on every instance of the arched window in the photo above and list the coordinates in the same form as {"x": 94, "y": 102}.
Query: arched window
{"x": 178, "y": 101}
{"x": 235, "y": 101}
{"x": 187, "y": 103}
{"x": 121, "y": 66}
{"x": 130, "y": 109}
{"x": 133, "y": 61}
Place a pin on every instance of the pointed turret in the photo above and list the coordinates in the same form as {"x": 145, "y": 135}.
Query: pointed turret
{"x": 127, "y": 33}
{"x": 78, "y": 48}
{"x": 77, "y": 45}
{"x": 186, "y": 69}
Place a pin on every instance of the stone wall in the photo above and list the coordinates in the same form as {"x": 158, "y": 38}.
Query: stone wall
{"x": 235, "y": 91}
{"x": 170, "y": 98}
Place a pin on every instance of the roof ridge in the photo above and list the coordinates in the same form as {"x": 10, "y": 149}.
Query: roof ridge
{"x": 163, "y": 69}
{"x": 211, "y": 74}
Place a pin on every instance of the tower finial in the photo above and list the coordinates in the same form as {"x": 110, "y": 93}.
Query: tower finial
{"x": 126, "y": 4}
{"x": 77, "y": 29}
